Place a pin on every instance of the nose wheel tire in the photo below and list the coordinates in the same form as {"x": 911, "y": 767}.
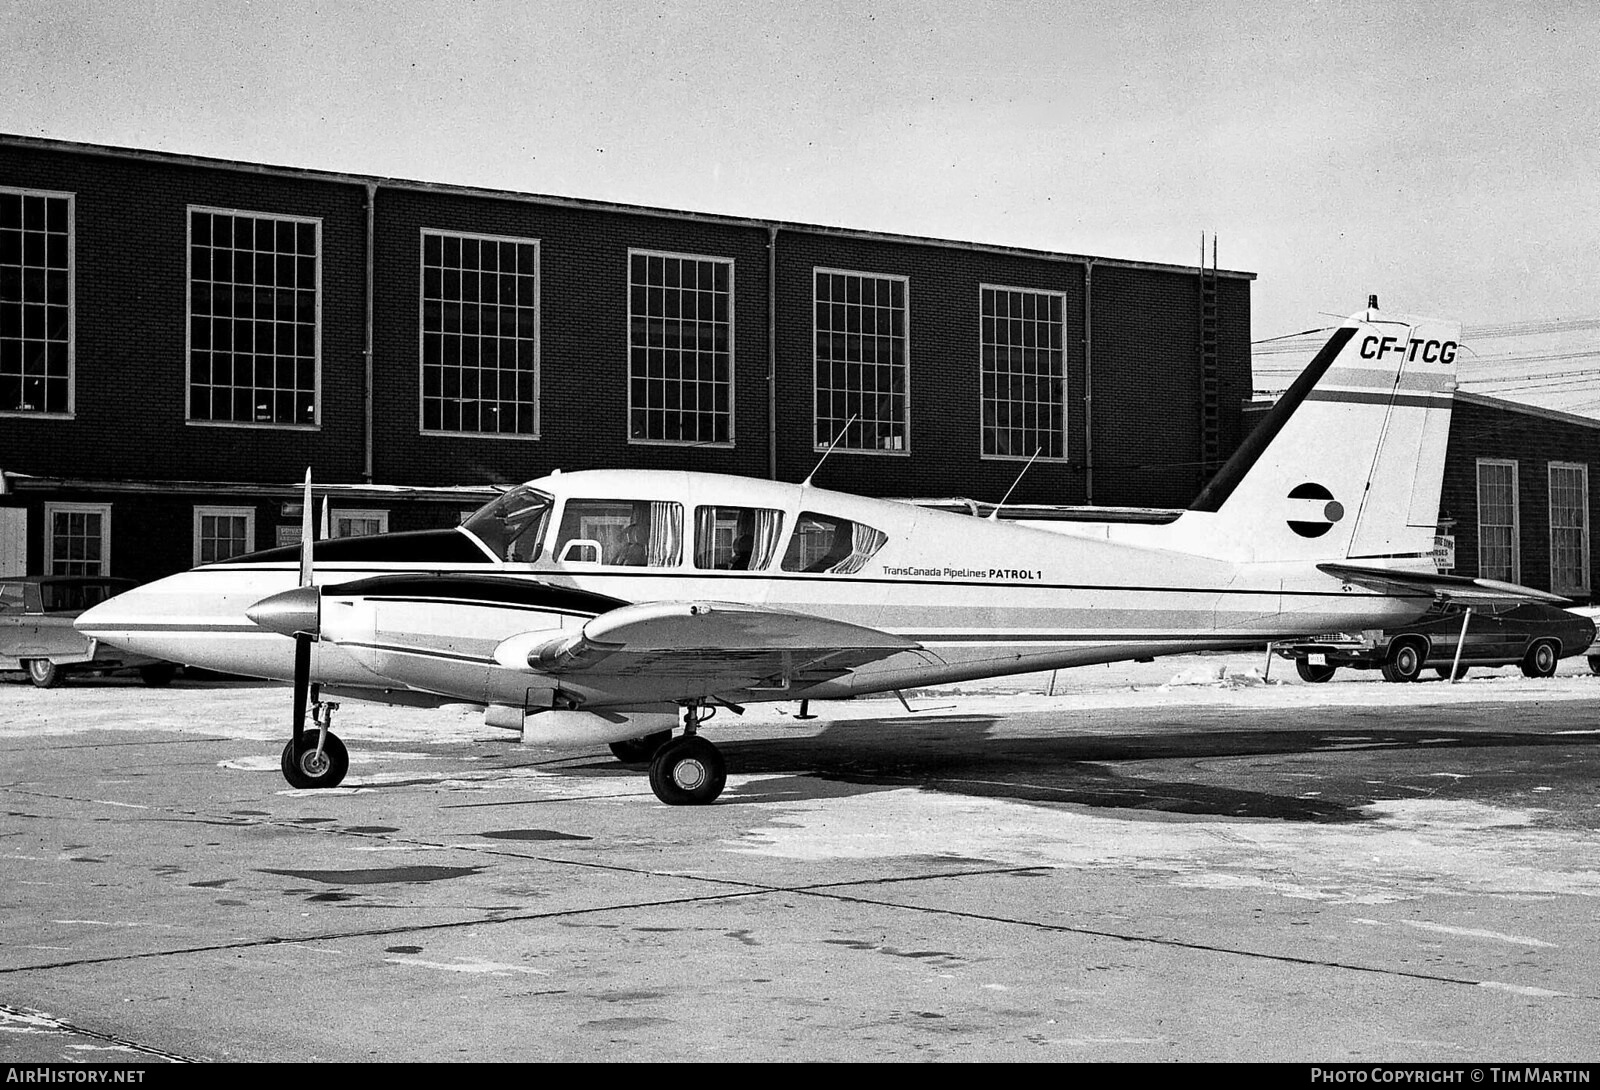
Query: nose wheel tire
{"x": 688, "y": 771}
{"x": 304, "y": 767}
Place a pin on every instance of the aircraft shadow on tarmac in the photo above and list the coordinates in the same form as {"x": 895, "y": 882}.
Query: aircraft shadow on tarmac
{"x": 1164, "y": 770}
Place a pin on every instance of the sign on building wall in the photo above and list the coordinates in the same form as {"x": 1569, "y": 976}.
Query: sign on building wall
{"x": 1444, "y": 552}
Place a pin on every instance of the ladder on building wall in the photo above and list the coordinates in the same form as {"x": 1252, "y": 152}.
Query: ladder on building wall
{"x": 1210, "y": 394}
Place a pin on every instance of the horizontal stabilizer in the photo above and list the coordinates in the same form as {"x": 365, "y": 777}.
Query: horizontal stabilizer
{"x": 1458, "y": 588}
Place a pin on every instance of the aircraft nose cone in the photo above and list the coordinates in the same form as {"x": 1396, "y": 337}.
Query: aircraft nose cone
{"x": 291, "y": 612}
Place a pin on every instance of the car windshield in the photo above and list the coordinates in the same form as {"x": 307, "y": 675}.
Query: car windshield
{"x": 512, "y": 525}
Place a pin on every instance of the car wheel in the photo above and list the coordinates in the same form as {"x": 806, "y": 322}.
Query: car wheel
{"x": 158, "y": 675}
{"x": 1310, "y": 671}
{"x": 1404, "y": 663}
{"x": 1541, "y": 659}
{"x": 44, "y": 673}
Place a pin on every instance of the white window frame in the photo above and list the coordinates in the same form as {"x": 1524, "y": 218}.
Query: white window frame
{"x": 72, "y": 305}
{"x": 1516, "y": 516}
{"x": 732, "y": 382}
{"x": 538, "y": 333}
{"x": 246, "y": 513}
{"x": 51, "y": 510}
{"x": 189, "y": 316}
{"x": 820, "y": 443}
{"x": 1581, "y": 588}
{"x": 337, "y": 513}
{"x": 1060, "y": 384}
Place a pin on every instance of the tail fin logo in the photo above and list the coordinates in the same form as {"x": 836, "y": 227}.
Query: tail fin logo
{"x": 1313, "y": 510}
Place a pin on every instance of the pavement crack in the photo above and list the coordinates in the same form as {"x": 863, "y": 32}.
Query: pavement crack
{"x": 58, "y": 1025}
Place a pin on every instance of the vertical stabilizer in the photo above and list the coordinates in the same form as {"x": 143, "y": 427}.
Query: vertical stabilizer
{"x": 1350, "y": 462}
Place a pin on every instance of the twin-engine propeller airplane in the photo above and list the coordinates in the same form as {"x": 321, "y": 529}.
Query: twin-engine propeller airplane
{"x": 590, "y": 607}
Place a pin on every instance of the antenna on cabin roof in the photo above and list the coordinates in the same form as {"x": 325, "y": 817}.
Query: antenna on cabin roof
{"x": 837, "y": 439}
{"x": 994, "y": 516}
{"x": 1372, "y": 302}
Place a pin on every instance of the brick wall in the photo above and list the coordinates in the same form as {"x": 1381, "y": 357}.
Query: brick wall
{"x": 1533, "y": 439}
{"x": 130, "y": 232}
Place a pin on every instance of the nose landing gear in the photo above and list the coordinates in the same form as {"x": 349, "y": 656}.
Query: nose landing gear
{"x": 316, "y": 757}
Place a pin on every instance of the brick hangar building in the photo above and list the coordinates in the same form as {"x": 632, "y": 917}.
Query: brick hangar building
{"x": 180, "y": 338}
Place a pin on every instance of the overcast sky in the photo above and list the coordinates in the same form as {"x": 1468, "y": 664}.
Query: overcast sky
{"x": 1442, "y": 155}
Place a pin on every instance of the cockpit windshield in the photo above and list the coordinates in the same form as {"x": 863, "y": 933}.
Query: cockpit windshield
{"x": 512, "y": 525}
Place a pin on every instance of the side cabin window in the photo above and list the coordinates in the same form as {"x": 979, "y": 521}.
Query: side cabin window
{"x": 625, "y": 533}
{"x": 736, "y": 538}
{"x": 512, "y": 525}
{"x": 823, "y": 543}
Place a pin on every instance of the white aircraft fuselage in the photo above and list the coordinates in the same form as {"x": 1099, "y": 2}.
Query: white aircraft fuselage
{"x": 980, "y": 597}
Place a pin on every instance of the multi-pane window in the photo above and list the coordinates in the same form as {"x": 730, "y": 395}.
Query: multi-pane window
{"x": 78, "y": 538}
{"x": 1569, "y": 528}
{"x": 680, "y": 348}
{"x": 35, "y": 302}
{"x": 861, "y": 388}
{"x": 253, "y": 311}
{"x": 358, "y": 523}
{"x": 222, "y": 533}
{"x": 480, "y": 335}
{"x": 1024, "y": 373}
{"x": 1498, "y": 556}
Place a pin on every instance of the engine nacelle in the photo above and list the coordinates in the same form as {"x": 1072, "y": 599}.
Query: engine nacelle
{"x": 564, "y": 727}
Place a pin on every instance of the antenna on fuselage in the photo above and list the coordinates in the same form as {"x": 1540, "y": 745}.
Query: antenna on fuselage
{"x": 837, "y": 439}
{"x": 994, "y": 516}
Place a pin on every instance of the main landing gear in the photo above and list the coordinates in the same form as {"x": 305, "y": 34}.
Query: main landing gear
{"x": 315, "y": 757}
{"x": 688, "y": 770}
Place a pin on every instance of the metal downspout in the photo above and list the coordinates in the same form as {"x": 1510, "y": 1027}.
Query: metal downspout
{"x": 1088, "y": 382}
{"x": 367, "y": 379}
{"x": 772, "y": 353}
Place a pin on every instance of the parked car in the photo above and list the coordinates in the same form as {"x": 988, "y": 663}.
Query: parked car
{"x": 1593, "y": 613}
{"x": 36, "y": 633}
{"x": 1533, "y": 636}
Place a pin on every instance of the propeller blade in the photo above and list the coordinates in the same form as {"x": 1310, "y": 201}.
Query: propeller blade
{"x": 302, "y": 680}
{"x": 306, "y": 537}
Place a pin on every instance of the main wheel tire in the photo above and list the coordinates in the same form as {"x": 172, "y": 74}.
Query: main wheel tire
{"x": 1444, "y": 672}
{"x": 1310, "y": 671}
{"x": 1404, "y": 663}
{"x": 637, "y": 751}
{"x": 1541, "y": 659}
{"x": 44, "y": 673}
{"x": 304, "y": 767}
{"x": 1594, "y": 664}
{"x": 688, "y": 771}
{"x": 158, "y": 675}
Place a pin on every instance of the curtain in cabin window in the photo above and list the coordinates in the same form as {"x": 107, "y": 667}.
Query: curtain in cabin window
{"x": 666, "y": 534}
{"x": 864, "y": 541}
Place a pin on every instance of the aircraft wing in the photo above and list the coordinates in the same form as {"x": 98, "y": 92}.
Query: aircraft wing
{"x": 1458, "y": 588}
{"x": 699, "y": 644}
